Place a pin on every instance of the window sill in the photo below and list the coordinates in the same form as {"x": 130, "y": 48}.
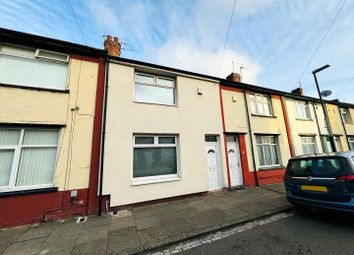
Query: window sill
{"x": 264, "y": 116}
{"x": 11, "y": 193}
{"x": 270, "y": 168}
{"x": 304, "y": 119}
{"x": 65, "y": 91}
{"x": 149, "y": 180}
{"x": 169, "y": 105}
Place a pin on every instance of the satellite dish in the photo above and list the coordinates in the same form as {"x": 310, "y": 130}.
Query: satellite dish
{"x": 326, "y": 93}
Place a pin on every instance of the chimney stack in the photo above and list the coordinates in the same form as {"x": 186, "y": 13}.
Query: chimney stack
{"x": 234, "y": 77}
{"x": 298, "y": 91}
{"x": 112, "y": 46}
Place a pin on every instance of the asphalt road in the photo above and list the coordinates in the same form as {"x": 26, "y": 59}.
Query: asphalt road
{"x": 307, "y": 232}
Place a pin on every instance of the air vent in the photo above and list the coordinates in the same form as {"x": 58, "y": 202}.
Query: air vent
{"x": 51, "y": 56}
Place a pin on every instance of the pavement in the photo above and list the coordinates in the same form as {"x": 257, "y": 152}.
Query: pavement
{"x": 147, "y": 228}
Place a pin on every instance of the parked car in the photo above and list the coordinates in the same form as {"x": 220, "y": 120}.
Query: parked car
{"x": 323, "y": 181}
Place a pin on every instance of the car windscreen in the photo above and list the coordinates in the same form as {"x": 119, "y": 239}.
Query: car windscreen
{"x": 319, "y": 167}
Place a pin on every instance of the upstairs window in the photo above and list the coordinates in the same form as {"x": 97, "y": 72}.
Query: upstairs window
{"x": 154, "y": 89}
{"x": 261, "y": 105}
{"x": 346, "y": 115}
{"x": 32, "y": 67}
{"x": 302, "y": 110}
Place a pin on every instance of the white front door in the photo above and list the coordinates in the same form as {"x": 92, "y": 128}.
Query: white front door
{"x": 212, "y": 164}
{"x": 235, "y": 168}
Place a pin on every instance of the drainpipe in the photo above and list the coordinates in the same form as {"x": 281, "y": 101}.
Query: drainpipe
{"x": 103, "y": 137}
{"x": 287, "y": 126}
{"x": 324, "y": 148}
{"x": 251, "y": 138}
{"x": 345, "y": 131}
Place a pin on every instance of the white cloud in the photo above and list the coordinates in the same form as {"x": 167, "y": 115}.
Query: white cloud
{"x": 186, "y": 56}
{"x": 249, "y": 7}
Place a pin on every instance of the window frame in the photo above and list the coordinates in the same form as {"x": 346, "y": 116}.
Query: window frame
{"x": 307, "y": 144}
{"x": 302, "y": 107}
{"x": 345, "y": 112}
{"x": 276, "y": 143}
{"x": 155, "y": 85}
{"x": 36, "y": 57}
{"x": 156, "y": 178}
{"x": 351, "y": 142}
{"x": 254, "y": 104}
{"x": 17, "y": 157}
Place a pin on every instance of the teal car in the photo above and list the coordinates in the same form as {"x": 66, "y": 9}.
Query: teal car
{"x": 323, "y": 181}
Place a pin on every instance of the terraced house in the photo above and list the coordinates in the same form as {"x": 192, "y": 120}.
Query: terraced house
{"x": 83, "y": 130}
{"x": 50, "y": 94}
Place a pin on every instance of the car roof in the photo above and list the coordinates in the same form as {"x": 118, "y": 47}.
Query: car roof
{"x": 346, "y": 154}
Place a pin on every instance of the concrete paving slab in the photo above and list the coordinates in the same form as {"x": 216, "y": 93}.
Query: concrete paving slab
{"x": 30, "y": 247}
{"x": 9, "y": 235}
{"x": 94, "y": 221}
{"x": 123, "y": 241}
{"x": 176, "y": 226}
{"x": 120, "y": 223}
{"x": 152, "y": 235}
{"x": 38, "y": 231}
{"x": 201, "y": 206}
{"x": 93, "y": 248}
{"x": 147, "y": 222}
{"x": 93, "y": 234}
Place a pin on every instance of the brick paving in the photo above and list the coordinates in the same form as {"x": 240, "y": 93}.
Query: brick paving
{"x": 145, "y": 228}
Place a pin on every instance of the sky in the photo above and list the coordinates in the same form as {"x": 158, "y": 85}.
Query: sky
{"x": 278, "y": 42}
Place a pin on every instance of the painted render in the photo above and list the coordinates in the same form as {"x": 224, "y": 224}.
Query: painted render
{"x": 349, "y": 127}
{"x": 236, "y": 122}
{"x": 191, "y": 119}
{"x": 30, "y": 106}
{"x": 302, "y": 127}
{"x": 336, "y": 124}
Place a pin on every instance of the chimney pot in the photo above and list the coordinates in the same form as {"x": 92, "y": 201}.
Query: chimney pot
{"x": 112, "y": 46}
{"x": 298, "y": 91}
{"x": 234, "y": 77}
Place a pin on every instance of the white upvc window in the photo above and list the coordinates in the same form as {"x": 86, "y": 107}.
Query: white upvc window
{"x": 268, "y": 151}
{"x": 351, "y": 142}
{"x": 261, "y": 105}
{"x": 303, "y": 110}
{"x": 32, "y": 67}
{"x": 154, "y": 89}
{"x": 327, "y": 143}
{"x": 155, "y": 158}
{"x": 27, "y": 158}
{"x": 338, "y": 143}
{"x": 346, "y": 115}
{"x": 308, "y": 144}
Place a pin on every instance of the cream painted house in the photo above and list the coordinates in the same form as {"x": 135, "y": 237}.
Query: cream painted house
{"x": 47, "y": 108}
{"x": 256, "y": 117}
{"x": 347, "y": 114}
{"x": 163, "y": 134}
{"x": 305, "y": 131}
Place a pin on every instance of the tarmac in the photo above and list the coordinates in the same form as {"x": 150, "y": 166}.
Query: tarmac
{"x": 147, "y": 228}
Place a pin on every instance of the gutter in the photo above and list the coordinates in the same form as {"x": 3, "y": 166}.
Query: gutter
{"x": 103, "y": 137}
{"x": 251, "y": 138}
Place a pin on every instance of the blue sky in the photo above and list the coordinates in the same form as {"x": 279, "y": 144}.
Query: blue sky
{"x": 273, "y": 39}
